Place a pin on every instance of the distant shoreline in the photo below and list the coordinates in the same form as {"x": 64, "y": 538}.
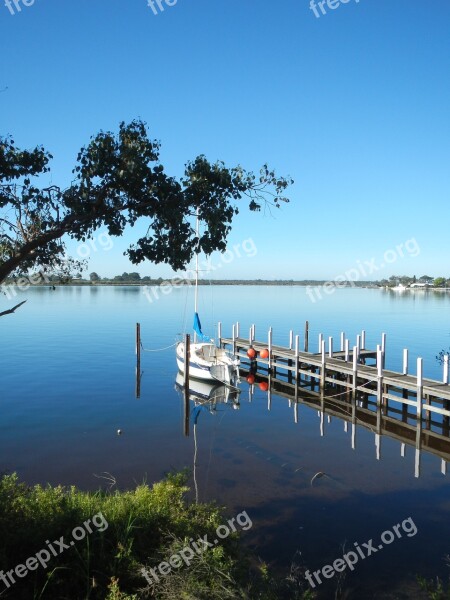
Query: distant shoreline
{"x": 229, "y": 282}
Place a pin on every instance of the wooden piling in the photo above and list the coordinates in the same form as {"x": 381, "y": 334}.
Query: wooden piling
{"x": 138, "y": 360}
{"x": 419, "y": 389}
{"x": 306, "y": 336}
{"x": 323, "y": 368}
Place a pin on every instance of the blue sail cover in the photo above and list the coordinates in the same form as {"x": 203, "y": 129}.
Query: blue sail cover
{"x": 198, "y": 330}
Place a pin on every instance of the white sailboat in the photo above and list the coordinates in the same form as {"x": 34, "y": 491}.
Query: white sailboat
{"x": 207, "y": 361}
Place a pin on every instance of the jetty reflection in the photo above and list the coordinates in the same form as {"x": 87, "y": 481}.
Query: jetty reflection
{"x": 383, "y": 420}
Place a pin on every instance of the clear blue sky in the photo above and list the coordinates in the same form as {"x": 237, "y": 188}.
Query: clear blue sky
{"x": 354, "y": 105}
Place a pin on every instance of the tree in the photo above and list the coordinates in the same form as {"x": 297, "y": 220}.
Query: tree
{"x": 426, "y": 279}
{"x": 94, "y": 277}
{"x": 120, "y": 180}
{"x": 439, "y": 282}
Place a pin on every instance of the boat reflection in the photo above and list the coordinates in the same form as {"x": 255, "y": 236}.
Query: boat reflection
{"x": 207, "y": 397}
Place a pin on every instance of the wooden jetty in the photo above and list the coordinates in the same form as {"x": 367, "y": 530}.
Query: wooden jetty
{"x": 348, "y": 369}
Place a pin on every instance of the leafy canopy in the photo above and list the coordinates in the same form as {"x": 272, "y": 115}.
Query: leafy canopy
{"x": 118, "y": 180}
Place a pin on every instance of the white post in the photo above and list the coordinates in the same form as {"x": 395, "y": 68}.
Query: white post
{"x": 355, "y": 369}
{"x": 269, "y": 343}
{"x": 219, "y": 332}
{"x": 383, "y": 348}
{"x": 234, "y": 339}
{"x": 250, "y": 336}
{"x": 443, "y": 467}
{"x": 322, "y": 378}
{"x": 405, "y": 361}
{"x": 358, "y": 342}
{"x": 320, "y": 342}
{"x": 297, "y": 345}
{"x": 380, "y": 377}
{"x": 342, "y": 341}
{"x": 347, "y": 350}
{"x": 291, "y": 339}
{"x": 402, "y": 450}
{"x": 253, "y": 332}
{"x": 363, "y": 339}
{"x": 419, "y": 389}
{"x": 445, "y": 378}
{"x": 237, "y": 329}
{"x": 330, "y": 347}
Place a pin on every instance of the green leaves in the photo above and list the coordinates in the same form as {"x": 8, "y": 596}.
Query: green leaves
{"x": 120, "y": 180}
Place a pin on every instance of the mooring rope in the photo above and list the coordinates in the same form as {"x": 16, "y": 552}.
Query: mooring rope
{"x": 158, "y": 349}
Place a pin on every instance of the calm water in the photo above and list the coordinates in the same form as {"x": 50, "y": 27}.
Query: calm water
{"x": 68, "y": 383}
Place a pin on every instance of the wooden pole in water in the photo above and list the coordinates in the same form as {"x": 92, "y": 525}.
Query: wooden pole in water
{"x": 383, "y": 349}
{"x": 291, "y": 339}
{"x": 445, "y": 375}
{"x": 323, "y": 372}
{"x": 405, "y": 361}
{"x": 297, "y": 342}
{"x": 419, "y": 389}
{"x": 320, "y": 342}
{"x": 234, "y": 339}
{"x": 379, "y": 376}
{"x": 347, "y": 350}
{"x": 138, "y": 360}
{"x": 187, "y": 358}
{"x": 330, "y": 347}
{"x": 342, "y": 341}
{"x": 269, "y": 343}
{"x": 355, "y": 370}
{"x": 219, "y": 333}
{"x": 138, "y": 342}
{"x": 306, "y": 336}
{"x": 237, "y": 329}
{"x": 363, "y": 339}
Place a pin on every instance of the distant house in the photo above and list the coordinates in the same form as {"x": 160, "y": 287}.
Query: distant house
{"x": 421, "y": 285}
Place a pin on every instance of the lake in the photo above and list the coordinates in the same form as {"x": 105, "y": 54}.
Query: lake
{"x": 67, "y": 363}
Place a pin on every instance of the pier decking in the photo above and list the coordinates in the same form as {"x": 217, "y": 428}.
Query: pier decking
{"x": 349, "y": 370}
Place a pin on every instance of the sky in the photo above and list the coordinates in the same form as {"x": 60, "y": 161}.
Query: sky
{"x": 353, "y": 104}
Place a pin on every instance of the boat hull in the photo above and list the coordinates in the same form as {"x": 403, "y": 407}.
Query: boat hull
{"x": 209, "y": 363}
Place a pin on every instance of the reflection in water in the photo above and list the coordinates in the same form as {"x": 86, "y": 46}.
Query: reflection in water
{"x": 207, "y": 397}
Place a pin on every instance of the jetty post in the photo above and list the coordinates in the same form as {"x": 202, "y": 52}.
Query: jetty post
{"x": 306, "y": 346}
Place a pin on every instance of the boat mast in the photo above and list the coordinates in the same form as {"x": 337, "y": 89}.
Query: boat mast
{"x": 197, "y": 233}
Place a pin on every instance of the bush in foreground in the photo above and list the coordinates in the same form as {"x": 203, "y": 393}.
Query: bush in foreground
{"x": 78, "y": 545}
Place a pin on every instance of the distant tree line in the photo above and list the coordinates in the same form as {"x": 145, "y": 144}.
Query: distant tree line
{"x": 406, "y": 280}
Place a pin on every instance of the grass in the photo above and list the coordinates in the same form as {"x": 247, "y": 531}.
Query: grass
{"x": 129, "y": 530}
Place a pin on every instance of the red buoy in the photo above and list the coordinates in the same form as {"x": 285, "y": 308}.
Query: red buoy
{"x": 251, "y": 353}
{"x": 264, "y": 386}
{"x": 264, "y": 354}
{"x": 251, "y": 379}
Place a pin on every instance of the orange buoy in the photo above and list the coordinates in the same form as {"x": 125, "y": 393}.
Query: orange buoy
{"x": 264, "y": 354}
{"x": 264, "y": 386}
{"x": 251, "y": 379}
{"x": 251, "y": 353}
